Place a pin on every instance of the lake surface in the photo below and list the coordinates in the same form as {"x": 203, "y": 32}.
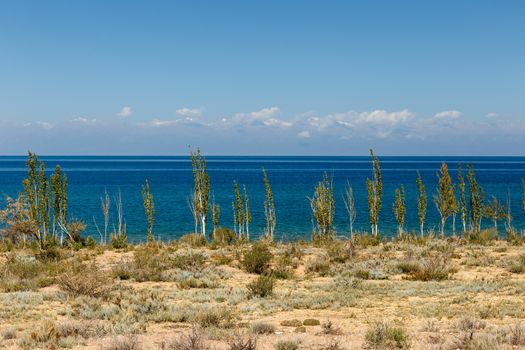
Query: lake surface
{"x": 292, "y": 180}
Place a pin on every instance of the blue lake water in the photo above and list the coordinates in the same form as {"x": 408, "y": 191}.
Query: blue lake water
{"x": 292, "y": 180}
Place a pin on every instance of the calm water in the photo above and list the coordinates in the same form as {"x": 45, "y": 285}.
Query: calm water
{"x": 292, "y": 179}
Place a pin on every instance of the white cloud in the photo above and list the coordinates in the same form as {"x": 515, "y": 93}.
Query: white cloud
{"x": 43, "y": 125}
{"x": 265, "y": 117}
{"x": 189, "y": 112}
{"x": 447, "y": 115}
{"x": 125, "y": 112}
{"x": 384, "y": 117}
{"x": 160, "y": 123}
{"x": 304, "y": 134}
{"x": 82, "y": 120}
{"x": 492, "y": 115}
{"x": 265, "y": 113}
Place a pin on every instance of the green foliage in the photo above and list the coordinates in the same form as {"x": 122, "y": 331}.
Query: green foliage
{"x": 224, "y": 236}
{"x": 323, "y": 209}
{"x": 495, "y": 211}
{"x": 201, "y": 181}
{"x": 59, "y": 190}
{"x": 476, "y": 199}
{"x": 383, "y": 335}
{"x": 119, "y": 240}
{"x": 518, "y": 266}
{"x": 374, "y": 188}
{"x": 445, "y": 198}
{"x": 421, "y": 203}
{"x": 269, "y": 208}
{"x": 462, "y": 200}
{"x": 286, "y": 345}
{"x": 399, "y": 209}
{"x": 194, "y": 240}
{"x": 257, "y": 259}
{"x": 262, "y": 328}
{"x": 149, "y": 208}
{"x": 36, "y": 188}
{"x": 483, "y": 237}
{"x": 262, "y": 286}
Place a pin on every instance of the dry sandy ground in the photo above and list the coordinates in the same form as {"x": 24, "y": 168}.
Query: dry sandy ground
{"x": 478, "y": 305}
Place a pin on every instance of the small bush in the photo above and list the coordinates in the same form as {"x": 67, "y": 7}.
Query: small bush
{"x": 333, "y": 345}
{"x": 215, "y": 317}
{"x": 191, "y": 341}
{"x": 194, "y": 240}
{"x": 318, "y": 265}
{"x": 311, "y": 322}
{"x": 224, "y": 236}
{"x": 382, "y": 335}
{"x": 261, "y": 287}
{"x": 257, "y": 259}
{"x": 518, "y": 266}
{"x": 483, "y": 237}
{"x": 123, "y": 343}
{"x": 119, "y": 241}
{"x": 328, "y": 328}
{"x": 82, "y": 279}
{"x": 262, "y": 328}
{"x": 243, "y": 343}
{"x": 287, "y": 345}
{"x": 341, "y": 252}
{"x": 433, "y": 269}
{"x": 291, "y": 323}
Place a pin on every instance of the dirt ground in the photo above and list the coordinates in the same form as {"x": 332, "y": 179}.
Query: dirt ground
{"x": 418, "y": 295}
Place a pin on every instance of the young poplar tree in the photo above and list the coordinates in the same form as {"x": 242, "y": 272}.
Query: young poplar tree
{"x": 247, "y": 214}
{"x": 399, "y": 209}
{"x": 323, "y": 209}
{"x": 444, "y": 198}
{"x": 348, "y": 199}
{"x": 495, "y": 211}
{"x": 511, "y": 233}
{"x": 192, "y": 205}
{"x": 476, "y": 199}
{"x": 36, "y": 188}
{"x": 421, "y": 203}
{"x": 201, "y": 187}
{"x": 455, "y": 209}
{"x": 269, "y": 208}
{"x": 234, "y": 212}
{"x": 59, "y": 191}
{"x": 215, "y": 215}
{"x": 374, "y": 189}
{"x": 523, "y": 195}
{"x": 239, "y": 210}
{"x": 149, "y": 208}
{"x": 462, "y": 200}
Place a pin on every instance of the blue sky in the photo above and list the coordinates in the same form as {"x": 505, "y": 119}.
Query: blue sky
{"x": 262, "y": 77}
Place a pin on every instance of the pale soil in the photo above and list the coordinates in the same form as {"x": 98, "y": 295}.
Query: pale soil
{"x": 482, "y": 289}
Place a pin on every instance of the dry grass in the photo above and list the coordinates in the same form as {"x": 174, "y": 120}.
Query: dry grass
{"x": 324, "y": 298}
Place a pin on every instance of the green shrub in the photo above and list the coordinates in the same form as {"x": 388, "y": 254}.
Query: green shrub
{"x": 518, "y": 266}
{"x": 243, "y": 343}
{"x": 215, "y": 317}
{"x": 311, "y": 322}
{"x": 257, "y": 259}
{"x": 433, "y": 269}
{"x": 224, "y": 236}
{"x": 483, "y": 237}
{"x": 83, "y": 279}
{"x": 382, "y": 335}
{"x": 318, "y": 265}
{"x": 261, "y": 287}
{"x": 194, "y": 240}
{"x": 119, "y": 241}
{"x": 262, "y": 328}
{"x": 286, "y": 345}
